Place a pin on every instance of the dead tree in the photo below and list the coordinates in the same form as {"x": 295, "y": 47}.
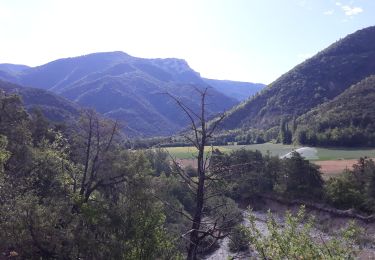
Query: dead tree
{"x": 98, "y": 140}
{"x": 199, "y": 136}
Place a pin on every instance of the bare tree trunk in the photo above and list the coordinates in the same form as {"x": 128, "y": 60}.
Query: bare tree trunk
{"x": 201, "y": 133}
{"x": 194, "y": 235}
{"x": 88, "y": 152}
{"x": 98, "y": 137}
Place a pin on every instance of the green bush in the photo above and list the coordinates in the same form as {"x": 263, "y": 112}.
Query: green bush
{"x": 354, "y": 188}
{"x": 294, "y": 239}
{"x": 238, "y": 239}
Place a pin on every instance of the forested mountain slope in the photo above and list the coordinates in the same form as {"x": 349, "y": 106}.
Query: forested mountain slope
{"x": 315, "y": 81}
{"x": 348, "y": 119}
{"x": 130, "y": 89}
{"x": 54, "y": 107}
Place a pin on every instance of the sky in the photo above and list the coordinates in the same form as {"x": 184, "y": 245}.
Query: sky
{"x": 243, "y": 40}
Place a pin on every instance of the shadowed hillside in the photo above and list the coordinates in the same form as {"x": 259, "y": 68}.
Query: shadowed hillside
{"x": 130, "y": 89}
{"x": 349, "y": 119}
{"x": 54, "y": 107}
{"x": 315, "y": 81}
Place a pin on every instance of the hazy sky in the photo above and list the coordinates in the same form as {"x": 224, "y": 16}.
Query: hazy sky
{"x": 248, "y": 40}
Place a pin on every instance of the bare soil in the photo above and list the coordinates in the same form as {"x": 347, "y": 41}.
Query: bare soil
{"x": 334, "y": 168}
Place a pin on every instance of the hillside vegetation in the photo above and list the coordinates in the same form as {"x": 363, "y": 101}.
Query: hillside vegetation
{"x": 79, "y": 192}
{"x": 54, "y": 107}
{"x": 315, "y": 81}
{"x": 347, "y": 120}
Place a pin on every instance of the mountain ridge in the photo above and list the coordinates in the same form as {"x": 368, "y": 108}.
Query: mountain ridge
{"x": 239, "y": 90}
{"x": 126, "y": 88}
{"x": 313, "y": 82}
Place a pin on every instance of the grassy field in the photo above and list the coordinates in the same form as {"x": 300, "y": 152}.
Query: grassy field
{"x": 279, "y": 150}
{"x": 344, "y": 153}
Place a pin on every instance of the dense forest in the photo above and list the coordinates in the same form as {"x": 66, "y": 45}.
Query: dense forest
{"x": 347, "y": 120}
{"x": 77, "y": 191}
{"x": 311, "y": 84}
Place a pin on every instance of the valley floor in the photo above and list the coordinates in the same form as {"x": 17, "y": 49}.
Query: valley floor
{"x": 333, "y": 161}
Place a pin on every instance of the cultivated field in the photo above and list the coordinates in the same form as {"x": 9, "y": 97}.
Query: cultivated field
{"x": 323, "y": 154}
{"x": 332, "y": 160}
{"x": 273, "y": 149}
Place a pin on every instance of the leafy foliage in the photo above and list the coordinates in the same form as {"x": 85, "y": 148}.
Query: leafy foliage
{"x": 239, "y": 239}
{"x": 294, "y": 240}
{"x": 354, "y": 189}
{"x": 4, "y": 154}
{"x": 79, "y": 192}
{"x": 285, "y": 135}
{"x": 249, "y": 174}
{"x": 45, "y": 215}
{"x": 246, "y": 173}
{"x": 300, "y": 178}
{"x": 347, "y": 120}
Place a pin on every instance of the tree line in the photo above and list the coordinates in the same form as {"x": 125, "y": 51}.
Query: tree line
{"x": 78, "y": 191}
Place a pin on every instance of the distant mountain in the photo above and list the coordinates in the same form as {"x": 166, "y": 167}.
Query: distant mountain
{"x": 315, "y": 81}
{"x": 54, "y": 107}
{"x": 348, "y": 119}
{"x": 9, "y": 72}
{"x": 235, "y": 89}
{"x": 13, "y": 68}
{"x": 130, "y": 89}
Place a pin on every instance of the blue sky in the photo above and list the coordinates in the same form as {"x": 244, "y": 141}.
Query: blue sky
{"x": 247, "y": 40}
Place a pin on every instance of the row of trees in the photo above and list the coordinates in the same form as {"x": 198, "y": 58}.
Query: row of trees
{"x": 350, "y": 136}
{"x": 331, "y": 133}
{"x": 251, "y": 174}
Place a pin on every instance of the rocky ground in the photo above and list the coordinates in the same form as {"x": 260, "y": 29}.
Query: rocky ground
{"x": 326, "y": 226}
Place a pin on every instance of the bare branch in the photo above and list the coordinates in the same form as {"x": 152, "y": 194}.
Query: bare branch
{"x": 173, "y": 208}
{"x": 215, "y": 125}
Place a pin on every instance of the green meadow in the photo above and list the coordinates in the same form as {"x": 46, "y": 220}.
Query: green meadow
{"x": 278, "y": 150}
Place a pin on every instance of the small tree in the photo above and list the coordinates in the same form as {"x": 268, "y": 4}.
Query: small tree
{"x": 354, "y": 188}
{"x": 285, "y": 134}
{"x": 301, "y": 178}
{"x": 96, "y": 151}
{"x": 294, "y": 239}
